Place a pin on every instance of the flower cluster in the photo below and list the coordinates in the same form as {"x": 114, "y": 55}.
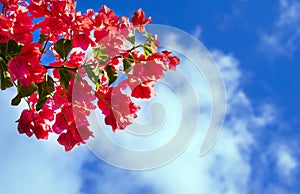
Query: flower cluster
{"x": 74, "y": 66}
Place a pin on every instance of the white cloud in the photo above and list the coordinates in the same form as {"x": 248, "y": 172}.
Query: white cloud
{"x": 226, "y": 168}
{"x": 31, "y": 166}
{"x": 284, "y": 37}
{"x": 286, "y": 163}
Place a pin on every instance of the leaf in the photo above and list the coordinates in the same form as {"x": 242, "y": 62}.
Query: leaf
{"x": 112, "y": 75}
{"x": 93, "y": 73}
{"x": 65, "y": 77}
{"x": 128, "y": 63}
{"x": 42, "y": 38}
{"x": 150, "y": 39}
{"x": 63, "y": 47}
{"x": 9, "y": 50}
{"x": 147, "y": 50}
{"x": 5, "y": 80}
{"x": 131, "y": 38}
{"x": 45, "y": 90}
{"x": 100, "y": 52}
{"x": 148, "y": 35}
{"x": 23, "y": 92}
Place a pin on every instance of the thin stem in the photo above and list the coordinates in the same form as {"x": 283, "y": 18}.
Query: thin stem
{"x": 44, "y": 47}
{"x": 61, "y": 67}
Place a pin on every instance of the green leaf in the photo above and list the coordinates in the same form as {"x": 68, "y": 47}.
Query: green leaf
{"x": 42, "y": 38}
{"x": 63, "y": 47}
{"x": 65, "y": 77}
{"x": 5, "y": 80}
{"x": 100, "y": 52}
{"x": 93, "y": 73}
{"x": 45, "y": 90}
{"x": 128, "y": 63}
{"x": 148, "y": 35}
{"x": 23, "y": 92}
{"x": 131, "y": 38}
{"x": 147, "y": 50}
{"x": 10, "y": 49}
{"x": 112, "y": 75}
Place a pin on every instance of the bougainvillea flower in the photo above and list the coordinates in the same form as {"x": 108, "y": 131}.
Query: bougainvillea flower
{"x": 38, "y": 8}
{"x": 37, "y": 123}
{"x": 143, "y": 90}
{"x": 60, "y": 99}
{"x": 117, "y": 107}
{"x": 26, "y": 67}
{"x": 139, "y": 20}
{"x": 173, "y": 60}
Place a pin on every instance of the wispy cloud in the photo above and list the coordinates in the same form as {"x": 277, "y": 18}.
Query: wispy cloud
{"x": 289, "y": 13}
{"x": 284, "y": 37}
{"x": 197, "y": 32}
{"x": 276, "y": 168}
{"x": 286, "y": 163}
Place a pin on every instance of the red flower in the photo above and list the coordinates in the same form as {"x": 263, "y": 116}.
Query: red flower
{"x": 117, "y": 107}
{"x": 143, "y": 90}
{"x": 173, "y": 60}
{"x": 16, "y": 24}
{"x": 10, "y": 4}
{"x": 31, "y": 51}
{"x": 52, "y": 25}
{"x": 73, "y": 137}
{"x": 148, "y": 71}
{"x": 69, "y": 99}
{"x": 38, "y": 8}
{"x": 60, "y": 124}
{"x": 26, "y": 68}
{"x": 100, "y": 34}
{"x": 139, "y": 20}
{"x": 71, "y": 123}
{"x": 5, "y": 26}
{"x": 83, "y": 23}
{"x": 75, "y": 60}
{"x": 82, "y": 40}
{"x": 71, "y": 133}
{"x": 22, "y": 26}
{"x": 106, "y": 18}
{"x": 82, "y": 27}
{"x": 37, "y": 123}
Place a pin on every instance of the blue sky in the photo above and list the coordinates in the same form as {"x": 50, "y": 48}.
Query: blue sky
{"x": 256, "y": 45}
